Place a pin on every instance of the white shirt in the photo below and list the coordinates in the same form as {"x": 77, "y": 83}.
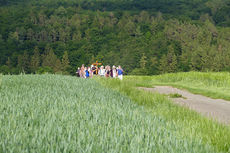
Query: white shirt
{"x": 114, "y": 73}
{"x": 102, "y": 72}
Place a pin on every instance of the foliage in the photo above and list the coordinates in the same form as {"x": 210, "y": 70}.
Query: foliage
{"x": 4, "y": 69}
{"x": 51, "y": 60}
{"x": 23, "y": 63}
{"x": 35, "y": 60}
{"x": 176, "y": 95}
{"x": 162, "y": 36}
{"x": 139, "y": 71}
{"x": 65, "y": 62}
{"x": 44, "y": 70}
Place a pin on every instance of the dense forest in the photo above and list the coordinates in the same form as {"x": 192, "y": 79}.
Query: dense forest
{"x": 145, "y": 37}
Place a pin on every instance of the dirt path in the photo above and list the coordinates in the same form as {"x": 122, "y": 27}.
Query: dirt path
{"x": 215, "y": 108}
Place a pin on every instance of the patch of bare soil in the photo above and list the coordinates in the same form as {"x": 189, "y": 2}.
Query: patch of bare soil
{"x": 213, "y": 108}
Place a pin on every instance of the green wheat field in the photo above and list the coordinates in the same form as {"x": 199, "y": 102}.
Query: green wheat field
{"x": 55, "y": 113}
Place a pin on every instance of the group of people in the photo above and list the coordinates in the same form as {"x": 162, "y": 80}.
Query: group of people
{"x": 107, "y": 71}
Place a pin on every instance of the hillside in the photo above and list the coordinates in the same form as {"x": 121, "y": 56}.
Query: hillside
{"x": 144, "y": 36}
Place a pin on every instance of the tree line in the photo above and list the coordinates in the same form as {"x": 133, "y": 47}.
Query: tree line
{"x": 36, "y": 38}
{"x": 38, "y": 63}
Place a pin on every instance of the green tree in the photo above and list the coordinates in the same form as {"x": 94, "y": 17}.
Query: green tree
{"x": 171, "y": 60}
{"x": 23, "y": 63}
{"x": 184, "y": 62}
{"x": 143, "y": 61}
{"x": 35, "y": 60}
{"x": 58, "y": 67}
{"x": 8, "y": 62}
{"x": 196, "y": 59}
{"x": 65, "y": 62}
{"x": 153, "y": 67}
{"x": 51, "y": 60}
{"x": 163, "y": 64}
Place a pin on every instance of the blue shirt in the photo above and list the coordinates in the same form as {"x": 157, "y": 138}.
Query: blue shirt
{"x": 120, "y": 72}
{"x": 87, "y": 73}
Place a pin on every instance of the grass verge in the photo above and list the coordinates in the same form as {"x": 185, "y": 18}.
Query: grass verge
{"x": 192, "y": 125}
{"x": 211, "y": 84}
{"x": 0, "y": 79}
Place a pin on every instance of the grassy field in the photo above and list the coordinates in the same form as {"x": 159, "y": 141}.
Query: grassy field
{"x": 212, "y": 84}
{"x": 53, "y": 113}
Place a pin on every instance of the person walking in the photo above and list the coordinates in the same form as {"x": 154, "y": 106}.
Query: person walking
{"x": 78, "y": 72}
{"x": 107, "y": 71}
{"x": 94, "y": 70}
{"x": 91, "y": 71}
{"x": 120, "y": 72}
{"x": 102, "y": 71}
{"x": 111, "y": 73}
{"x": 82, "y": 71}
{"x": 114, "y": 72}
{"x": 86, "y": 72}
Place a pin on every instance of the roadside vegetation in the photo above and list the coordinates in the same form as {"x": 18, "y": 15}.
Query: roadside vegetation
{"x": 192, "y": 125}
{"x": 212, "y": 84}
{"x": 0, "y": 79}
{"x": 176, "y": 95}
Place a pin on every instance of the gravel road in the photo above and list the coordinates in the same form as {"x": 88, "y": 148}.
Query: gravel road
{"x": 213, "y": 108}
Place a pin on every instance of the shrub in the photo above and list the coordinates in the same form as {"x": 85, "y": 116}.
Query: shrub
{"x": 45, "y": 69}
{"x": 4, "y": 69}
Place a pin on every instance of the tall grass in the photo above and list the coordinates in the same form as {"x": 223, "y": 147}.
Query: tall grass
{"x": 190, "y": 124}
{"x": 0, "y": 79}
{"x": 52, "y": 113}
{"x": 212, "y": 84}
